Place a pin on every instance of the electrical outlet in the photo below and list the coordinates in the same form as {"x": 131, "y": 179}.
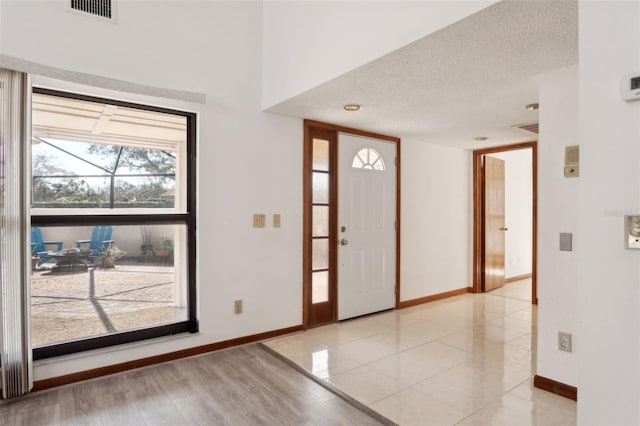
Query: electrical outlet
{"x": 276, "y": 220}
{"x": 237, "y": 306}
{"x": 564, "y": 341}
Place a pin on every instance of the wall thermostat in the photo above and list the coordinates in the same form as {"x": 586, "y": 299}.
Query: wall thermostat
{"x": 630, "y": 87}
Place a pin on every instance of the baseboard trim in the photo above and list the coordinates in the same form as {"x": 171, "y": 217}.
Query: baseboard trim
{"x": 567, "y": 391}
{"x": 517, "y": 278}
{"x": 171, "y": 356}
{"x": 433, "y": 297}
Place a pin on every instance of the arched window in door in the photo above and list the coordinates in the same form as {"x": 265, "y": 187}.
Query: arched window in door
{"x": 368, "y": 159}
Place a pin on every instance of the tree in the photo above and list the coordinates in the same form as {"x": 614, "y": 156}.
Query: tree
{"x": 58, "y": 189}
{"x": 142, "y": 160}
{"x": 52, "y": 183}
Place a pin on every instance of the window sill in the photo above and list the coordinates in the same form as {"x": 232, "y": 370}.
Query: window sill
{"x": 114, "y": 349}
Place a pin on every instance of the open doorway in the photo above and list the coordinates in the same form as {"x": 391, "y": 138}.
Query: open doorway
{"x": 505, "y": 235}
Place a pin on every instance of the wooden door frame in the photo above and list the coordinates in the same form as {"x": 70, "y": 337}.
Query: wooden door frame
{"x": 478, "y": 213}
{"x": 307, "y": 210}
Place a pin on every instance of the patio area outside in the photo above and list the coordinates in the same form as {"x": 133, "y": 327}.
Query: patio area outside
{"x": 75, "y": 305}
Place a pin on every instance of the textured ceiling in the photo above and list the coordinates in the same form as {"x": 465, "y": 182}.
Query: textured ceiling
{"x": 470, "y": 79}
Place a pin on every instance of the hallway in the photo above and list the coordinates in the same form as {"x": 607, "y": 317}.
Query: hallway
{"x": 465, "y": 360}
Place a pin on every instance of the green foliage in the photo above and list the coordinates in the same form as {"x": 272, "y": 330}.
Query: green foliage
{"x": 139, "y": 159}
{"x": 64, "y": 189}
{"x": 111, "y": 250}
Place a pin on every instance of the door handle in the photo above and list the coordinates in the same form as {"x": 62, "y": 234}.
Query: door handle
{"x": 504, "y": 229}
{"x": 344, "y": 242}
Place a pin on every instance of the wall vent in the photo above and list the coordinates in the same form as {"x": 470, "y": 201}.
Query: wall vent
{"x": 99, "y": 8}
{"x": 531, "y": 128}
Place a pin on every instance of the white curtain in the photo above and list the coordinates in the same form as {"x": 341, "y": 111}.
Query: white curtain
{"x": 15, "y": 336}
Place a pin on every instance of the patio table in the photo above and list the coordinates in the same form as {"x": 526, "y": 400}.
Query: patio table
{"x": 69, "y": 260}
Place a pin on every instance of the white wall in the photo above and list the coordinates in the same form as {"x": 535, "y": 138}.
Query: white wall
{"x": 608, "y": 333}
{"x": 436, "y": 231}
{"x": 307, "y": 43}
{"x": 558, "y": 212}
{"x": 249, "y": 162}
{"x": 518, "y": 208}
{"x": 437, "y": 220}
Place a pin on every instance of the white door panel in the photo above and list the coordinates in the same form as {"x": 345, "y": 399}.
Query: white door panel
{"x": 366, "y": 212}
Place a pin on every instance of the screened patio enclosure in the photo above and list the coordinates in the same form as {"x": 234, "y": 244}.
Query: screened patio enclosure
{"x": 87, "y": 155}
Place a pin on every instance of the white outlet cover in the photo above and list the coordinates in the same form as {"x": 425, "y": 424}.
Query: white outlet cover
{"x": 564, "y": 341}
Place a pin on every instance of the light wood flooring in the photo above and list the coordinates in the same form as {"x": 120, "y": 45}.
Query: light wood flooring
{"x": 246, "y": 385}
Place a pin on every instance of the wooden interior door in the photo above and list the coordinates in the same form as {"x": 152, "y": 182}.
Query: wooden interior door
{"x": 494, "y": 226}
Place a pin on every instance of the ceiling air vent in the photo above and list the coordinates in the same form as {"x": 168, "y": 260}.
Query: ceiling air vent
{"x": 531, "y": 128}
{"x": 99, "y": 8}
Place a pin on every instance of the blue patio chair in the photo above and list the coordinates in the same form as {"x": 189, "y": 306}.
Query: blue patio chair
{"x": 39, "y": 245}
{"x": 100, "y": 240}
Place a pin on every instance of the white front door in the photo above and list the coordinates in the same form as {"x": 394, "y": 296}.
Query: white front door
{"x": 366, "y": 225}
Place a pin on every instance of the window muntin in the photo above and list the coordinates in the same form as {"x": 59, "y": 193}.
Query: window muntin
{"x": 114, "y": 126}
{"x": 368, "y": 159}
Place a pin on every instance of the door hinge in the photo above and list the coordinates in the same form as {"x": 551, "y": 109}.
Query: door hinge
{"x": 395, "y": 160}
{"x": 395, "y": 225}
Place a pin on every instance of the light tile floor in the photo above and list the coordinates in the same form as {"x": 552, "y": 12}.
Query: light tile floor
{"x": 465, "y": 360}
